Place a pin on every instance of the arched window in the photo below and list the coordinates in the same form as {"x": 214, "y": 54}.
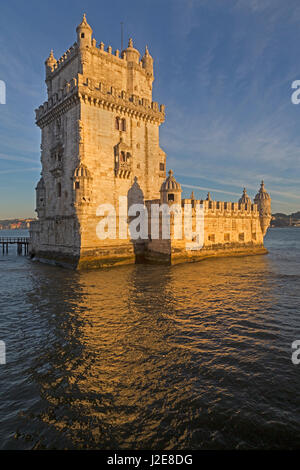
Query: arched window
{"x": 122, "y": 157}
{"x": 77, "y": 185}
{"x": 127, "y": 156}
{"x": 82, "y": 35}
{"x": 117, "y": 123}
{"x": 58, "y": 189}
{"x": 123, "y": 124}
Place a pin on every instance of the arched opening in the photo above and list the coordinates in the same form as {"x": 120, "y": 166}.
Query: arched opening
{"x": 124, "y": 125}
{"x": 58, "y": 189}
{"x": 117, "y": 123}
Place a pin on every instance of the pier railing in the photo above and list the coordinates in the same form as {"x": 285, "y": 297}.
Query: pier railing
{"x": 22, "y": 244}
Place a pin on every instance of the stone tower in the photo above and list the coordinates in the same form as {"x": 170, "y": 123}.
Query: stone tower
{"x": 100, "y": 140}
{"x": 100, "y": 155}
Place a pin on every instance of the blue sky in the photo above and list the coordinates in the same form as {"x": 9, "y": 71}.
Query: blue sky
{"x": 223, "y": 68}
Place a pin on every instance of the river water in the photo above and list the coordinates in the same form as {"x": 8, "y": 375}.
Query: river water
{"x": 193, "y": 356}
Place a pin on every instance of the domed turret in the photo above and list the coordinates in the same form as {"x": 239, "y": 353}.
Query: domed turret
{"x": 81, "y": 186}
{"x": 81, "y": 171}
{"x": 147, "y": 62}
{"x": 50, "y": 61}
{"x": 132, "y": 54}
{"x": 170, "y": 191}
{"x": 84, "y": 33}
{"x": 263, "y": 201}
{"x": 245, "y": 199}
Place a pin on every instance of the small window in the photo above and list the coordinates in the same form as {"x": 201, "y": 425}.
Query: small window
{"x": 77, "y": 185}
{"x": 58, "y": 190}
{"x": 117, "y": 123}
{"x": 212, "y": 238}
{"x": 82, "y": 35}
{"x": 122, "y": 157}
{"x": 128, "y": 156}
{"x": 124, "y": 125}
{"x": 171, "y": 197}
{"x": 241, "y": 237}
{"x": 162, "y": 167}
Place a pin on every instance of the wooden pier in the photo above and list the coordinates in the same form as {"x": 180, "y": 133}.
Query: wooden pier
{"x": 22, "y": 244}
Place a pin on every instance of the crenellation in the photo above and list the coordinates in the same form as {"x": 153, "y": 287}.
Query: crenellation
{"x": 78, "y": 85}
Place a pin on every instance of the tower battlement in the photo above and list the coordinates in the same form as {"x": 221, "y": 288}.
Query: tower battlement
{"x": 222, "y": 207}
{"x": 104, "y": 95}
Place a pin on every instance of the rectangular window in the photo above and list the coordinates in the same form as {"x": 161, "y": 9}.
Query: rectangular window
{"x": 170, "y": 197}
{"x": 227, "y": 237}
{"x": 241, "y": 237}
{"x": 212, "y": 237}
{"x": 77, "y": 185}
{"x": 162, "y": 167}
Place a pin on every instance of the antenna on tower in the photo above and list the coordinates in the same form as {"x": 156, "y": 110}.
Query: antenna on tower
{"x": 122, "y": 35}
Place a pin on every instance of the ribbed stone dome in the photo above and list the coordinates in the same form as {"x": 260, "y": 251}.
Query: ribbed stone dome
{"x": 170, "y": 184}
{"x": 82, "y": 172}
{"x": 262, "y": 194}
{"x": 245, "y": 199}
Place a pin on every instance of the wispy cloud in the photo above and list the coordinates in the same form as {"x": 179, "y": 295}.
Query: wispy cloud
{"x": 18, "y": 170}
{"x": 13, "y": 158}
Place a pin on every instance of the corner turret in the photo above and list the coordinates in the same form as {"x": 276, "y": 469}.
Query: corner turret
{"x": 170, "y": 191}
{"x": 245, "y": 199}
{"x": 84, "y": 33}
{"x": 132, "y": 54}
{"x": 263, "y": 201}
{"x": 50, "y": 62}
{"x": 147, "y": 62}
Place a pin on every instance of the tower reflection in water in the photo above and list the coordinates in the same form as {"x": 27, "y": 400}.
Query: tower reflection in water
{"x": 152, "y": 357}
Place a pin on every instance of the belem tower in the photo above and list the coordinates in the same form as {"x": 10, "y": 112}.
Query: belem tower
{"x": 100, "y": 141}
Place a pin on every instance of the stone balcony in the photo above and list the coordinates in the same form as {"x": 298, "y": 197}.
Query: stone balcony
{"x": 123, "y": 169}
